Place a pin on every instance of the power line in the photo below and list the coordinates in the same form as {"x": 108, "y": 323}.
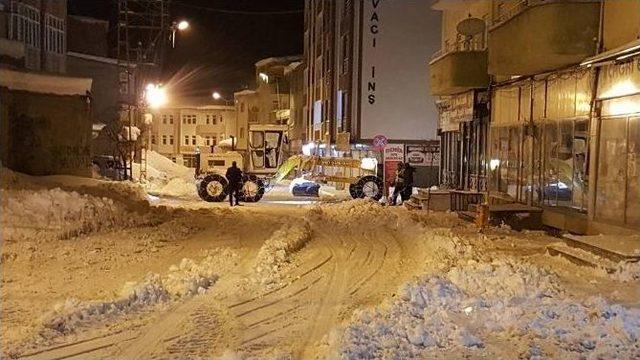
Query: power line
{"x": 239, "y": 12}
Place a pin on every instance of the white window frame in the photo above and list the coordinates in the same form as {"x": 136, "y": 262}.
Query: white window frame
{"x": 54, "y": 34}
{"x": 25, "y": 24}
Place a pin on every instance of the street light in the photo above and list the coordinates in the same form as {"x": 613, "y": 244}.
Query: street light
{"x": 216, "y": 95}
{"x": 264, "y": 77}
{"x": 183, "y": 25}
{"x": 155, "y": 95}
{"x": 175, "y": 27}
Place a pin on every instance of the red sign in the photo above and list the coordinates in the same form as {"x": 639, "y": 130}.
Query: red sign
{"x": 379, "y": 142}
{"x": 393, "y": 155}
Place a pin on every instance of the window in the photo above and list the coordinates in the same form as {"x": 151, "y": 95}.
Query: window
{"x": 207, "y": 140}
{"x": 54, "y": 34}
{"x": 170, "y": 139}
{"x": 186, "y": 139}
{"x": 184, "y": 119}
{"x": 164, "y": 119}
{"x": 153, "y": 139}
{"x": 214, "y": 119}
{"x": 208, "y": 120}
{"x": 193, "y": 140}
{"x": 164, "y": 139}
{"x": 170, "y": 119}
{"x": 25, "y": 24}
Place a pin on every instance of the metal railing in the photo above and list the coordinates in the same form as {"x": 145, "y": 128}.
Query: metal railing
{"x": 468, "y": 44}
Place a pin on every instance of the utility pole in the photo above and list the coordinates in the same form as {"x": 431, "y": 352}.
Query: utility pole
{"x": 142, "y": 26}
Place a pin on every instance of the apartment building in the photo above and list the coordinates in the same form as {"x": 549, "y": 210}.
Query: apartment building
{"x": 180, "y": 131}
{"x": 33, "y": 33}
{"x": 365, "y": 73}
{"x": 562, "y": 133}
{"x": 269, "y": 102}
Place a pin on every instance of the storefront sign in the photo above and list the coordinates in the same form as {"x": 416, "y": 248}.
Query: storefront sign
{"x": 393, "y": 155}
{"x": 423, "y": 155}
{"x": 619, "y": 80}
{"x": 456, "y": 109}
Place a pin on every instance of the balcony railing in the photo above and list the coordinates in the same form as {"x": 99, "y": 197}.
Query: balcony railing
{"x": 473, "y": 44}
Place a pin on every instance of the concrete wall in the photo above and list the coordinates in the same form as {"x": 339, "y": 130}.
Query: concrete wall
{"x": 543, "y": 38}
{"x": 45, "y": 134}
{"x": 621, "y": 22}
{"x": 459, "y": 71}
{"x": 87, "y": 36}
{"x": 105, "y": 89}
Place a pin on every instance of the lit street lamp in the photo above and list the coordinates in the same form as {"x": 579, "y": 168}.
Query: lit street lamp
{"x": 216, "y": 95}
{"x": 175, "y": 27}
{"x": 155, "y": 95}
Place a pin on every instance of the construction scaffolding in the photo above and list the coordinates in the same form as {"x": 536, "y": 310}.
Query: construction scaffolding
{"x": 143, "y": 31}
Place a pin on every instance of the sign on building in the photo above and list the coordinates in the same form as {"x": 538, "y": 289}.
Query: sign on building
{"x": 394, "y": 96}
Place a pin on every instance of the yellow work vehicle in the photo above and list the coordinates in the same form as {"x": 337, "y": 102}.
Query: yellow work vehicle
{"x": 263, "y": 166}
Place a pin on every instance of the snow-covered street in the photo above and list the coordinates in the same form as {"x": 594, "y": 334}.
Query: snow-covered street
{"x": 92, "y": 270}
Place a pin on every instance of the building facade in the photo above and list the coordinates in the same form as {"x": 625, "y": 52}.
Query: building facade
{"x": 271, "y": 100}
{"x": 365, "y": 75}
{"x": 561, "y": 131}
{"x": 180, "y": 131}
{"x": 35, "y": 31}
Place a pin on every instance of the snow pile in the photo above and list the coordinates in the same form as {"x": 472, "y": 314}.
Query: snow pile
{"x": 187, "y": 279}
{"x": 275, "y": 253}
{"x": 354, "y": 211}
{"x": 475, "y": 307}
{"x": 164, "y": 177}
{"x": 59, "y": 213}
{"x": 627, "y": 271}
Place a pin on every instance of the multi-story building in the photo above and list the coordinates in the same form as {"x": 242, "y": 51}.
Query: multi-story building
{"x": 34, "y": 33}
{"x": 564, "y": 107}
{"x": 365, "y": 73}
{"x": 269, "y": 102}
{"x": 180, "y": 131}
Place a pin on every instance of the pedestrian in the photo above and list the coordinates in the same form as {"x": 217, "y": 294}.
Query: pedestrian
{"x": 398, "y": 183}
{"x": 407, "y": 191}
{"x": 234, "y": 177}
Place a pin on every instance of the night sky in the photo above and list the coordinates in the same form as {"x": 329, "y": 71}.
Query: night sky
{"x": 220, "y": 48}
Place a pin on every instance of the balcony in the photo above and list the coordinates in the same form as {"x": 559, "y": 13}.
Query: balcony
{"x": 459, "y": 67}
{"x": 535, "y": 36}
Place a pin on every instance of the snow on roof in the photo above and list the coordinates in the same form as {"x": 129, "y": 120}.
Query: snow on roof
{"x": 93, "y": 58}
{"x": 87, "y": 19}
{"x": 44, "y": 83}
{"x": 244, "y": 92}
{"x": 280, "y": 59}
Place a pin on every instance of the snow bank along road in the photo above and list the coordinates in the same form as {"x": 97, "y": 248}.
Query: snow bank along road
{"x": 350, "y": 280}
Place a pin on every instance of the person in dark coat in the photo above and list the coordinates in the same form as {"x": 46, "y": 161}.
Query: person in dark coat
{"x": 398, "y": 183}
{"x": 234, "y": 177}
{"x": 407, "y": 191}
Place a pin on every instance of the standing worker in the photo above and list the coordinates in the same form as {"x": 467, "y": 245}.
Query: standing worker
{"x": 398, "y": 183}
{"x": 407, "y": 191}
{"x": 234, "y": 177}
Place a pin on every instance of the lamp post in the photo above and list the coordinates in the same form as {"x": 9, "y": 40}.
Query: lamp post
{"x": 175, "y": 27}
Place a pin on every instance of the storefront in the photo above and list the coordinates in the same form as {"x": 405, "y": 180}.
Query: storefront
{"x": 463, "y": 133}
{"x": 616, "y": 199}
{"x": 539, "y": 140}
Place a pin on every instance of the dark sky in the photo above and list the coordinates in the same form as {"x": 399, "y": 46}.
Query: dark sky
{"x": 220, "y": 48}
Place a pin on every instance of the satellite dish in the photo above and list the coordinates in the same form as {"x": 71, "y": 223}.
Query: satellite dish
{"x": 471, "y": 26}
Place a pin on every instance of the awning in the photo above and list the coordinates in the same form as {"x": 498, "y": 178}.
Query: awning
{"x": 620, "y": 53}
{"x": 44, "y": 83}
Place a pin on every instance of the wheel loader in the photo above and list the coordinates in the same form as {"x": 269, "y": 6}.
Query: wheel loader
{"x": 263, "y": 166}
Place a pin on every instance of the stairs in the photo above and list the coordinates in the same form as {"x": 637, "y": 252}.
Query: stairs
{"x": 600, "y": 251}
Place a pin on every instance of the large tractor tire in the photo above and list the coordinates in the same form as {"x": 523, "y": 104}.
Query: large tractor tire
{"x": 213, "y": 188}
{"x": 252, "y": 189}
{"x": 367, "y": 187}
